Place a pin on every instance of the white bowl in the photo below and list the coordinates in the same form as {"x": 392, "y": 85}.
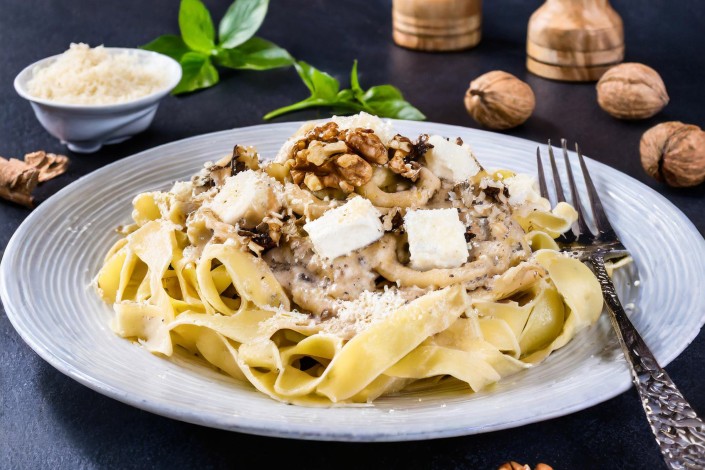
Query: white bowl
{"x": 86, "y": 128}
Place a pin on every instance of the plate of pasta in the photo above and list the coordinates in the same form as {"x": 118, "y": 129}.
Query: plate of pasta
{"x": 391, "y": 280}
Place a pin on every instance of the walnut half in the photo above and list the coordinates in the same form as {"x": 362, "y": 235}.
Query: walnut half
{"x": 366, "y": 144}
{"x": 517, "y": 466}
{"x": 674, "y": 152}
{"x": 330, "y": 158}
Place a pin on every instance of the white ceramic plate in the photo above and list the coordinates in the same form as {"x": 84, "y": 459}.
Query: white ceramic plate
{"x": 50, "y": 261}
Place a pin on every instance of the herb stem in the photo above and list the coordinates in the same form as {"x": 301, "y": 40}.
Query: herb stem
{"x": 312, "y": 103}
{"x": 292, "y": 107}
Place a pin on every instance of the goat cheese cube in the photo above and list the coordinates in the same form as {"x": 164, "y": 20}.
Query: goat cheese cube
{"x": 451, "y": 161}
{"x": 436, "y": 238}
{"x": 245, "y": 199}
{"x": 344, "y": 229}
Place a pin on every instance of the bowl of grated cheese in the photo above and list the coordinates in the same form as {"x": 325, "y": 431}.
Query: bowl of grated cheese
{"x": 89, "y": 97}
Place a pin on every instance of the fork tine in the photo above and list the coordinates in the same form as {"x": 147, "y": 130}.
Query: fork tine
{"x": 556, "y": 177}
{"x": 542, "y": 178}
{"x": 584, "y": 232}
{"x": 603, "y": 224}
{"x": 569, "y": 236}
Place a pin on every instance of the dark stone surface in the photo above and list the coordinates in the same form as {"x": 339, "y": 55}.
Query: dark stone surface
{"x": 49, "y": 421}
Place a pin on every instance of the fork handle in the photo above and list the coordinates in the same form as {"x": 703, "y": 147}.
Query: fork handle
{"x": 679, "y": 432}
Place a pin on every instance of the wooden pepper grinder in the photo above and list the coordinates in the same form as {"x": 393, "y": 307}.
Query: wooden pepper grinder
{"x": 574, "y": 40}
{"x": 437, "y": 25}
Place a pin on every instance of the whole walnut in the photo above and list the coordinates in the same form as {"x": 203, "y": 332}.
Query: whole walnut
{"x": 674, "y": 153}
{"x": 499, "y": 100}
{"x": 631, "y": 91}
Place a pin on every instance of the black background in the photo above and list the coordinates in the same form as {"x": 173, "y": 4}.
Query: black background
{"x": 48, "y": 420}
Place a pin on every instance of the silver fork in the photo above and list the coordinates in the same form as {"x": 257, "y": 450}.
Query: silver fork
{"x": 679, "y": 432}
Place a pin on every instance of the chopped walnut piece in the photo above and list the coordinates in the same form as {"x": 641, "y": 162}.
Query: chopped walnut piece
{"x": 313, "y": 182}
{"x": 420, "y": 147}
{"x": 328, "y": 132}
{"x": 404, "y": 156}
{"x": 408, "y": 170}
{"x": 318, "y": 152}
{"x": 366, "y": 144}
{"x": 50, "y": 165}
{"x": 346, "y": 187}
{"x": 298, "y": 176}
{"x": 393, "y": 221}
{"x": 17, "y": 181}
{"x": 274, "y": 221}
{"x": 19, "y": 178}
{"x": 354, "y": 169}
{"x": 242, "y": 159}
{"x": 399, "y": 142}
{"x": 259, "y": 239}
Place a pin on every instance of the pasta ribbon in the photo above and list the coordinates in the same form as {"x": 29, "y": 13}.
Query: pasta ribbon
{"x": 251, "y": 276}
{"x": 383, "y": 344}
{"x": 553, "y": 223}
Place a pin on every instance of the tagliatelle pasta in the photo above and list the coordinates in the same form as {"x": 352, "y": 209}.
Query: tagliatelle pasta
{"x": 231, "y": 267}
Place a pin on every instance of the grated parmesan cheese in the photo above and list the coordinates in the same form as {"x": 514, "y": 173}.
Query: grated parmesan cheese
{"x": 82, "y": 75}
{"x": 383, "y": 128}
{"x": 354, "y": 316}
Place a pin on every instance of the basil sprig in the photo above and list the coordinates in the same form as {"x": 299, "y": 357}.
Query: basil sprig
{"x": 382, "y": 100}
{"x": 197, "y": 49}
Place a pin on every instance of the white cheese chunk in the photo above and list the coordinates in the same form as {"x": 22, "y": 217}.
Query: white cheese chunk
{"x": 523, "y": 189}
{"x": 436, "y": 238}
{"x": 245, "y": 199}
{"x": 451, "y": 161}
{"x": 344, "y": 229}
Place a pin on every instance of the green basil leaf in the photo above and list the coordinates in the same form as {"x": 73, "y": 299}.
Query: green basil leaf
{"x": 383, "y": 93}
{"x": 254, "y": 54}
{"x": 398, "y": 109}
{"x": 241, "y": 22}
{"x": 196, "y": 26}
{"x": 198, "y": 72}
{"x": 303, "y": 69}
{"x": 355, "y": 83}
{"x": 345, "y": 95}
{"x": 170, "y": 45}
{"x": 388, "y": 101}
{"x": 320, "y": 84}
{"x": 382, "y": 100}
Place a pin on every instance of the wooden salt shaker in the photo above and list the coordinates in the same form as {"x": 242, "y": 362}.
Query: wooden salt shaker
{"x": 437, "y": 25}
{"x": 574, "y": 40}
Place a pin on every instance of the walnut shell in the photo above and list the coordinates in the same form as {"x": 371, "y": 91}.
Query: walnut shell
{"x": 631, "y": 91}
{"x": 674, "y": 153}
{"x": 499, "y": 100}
